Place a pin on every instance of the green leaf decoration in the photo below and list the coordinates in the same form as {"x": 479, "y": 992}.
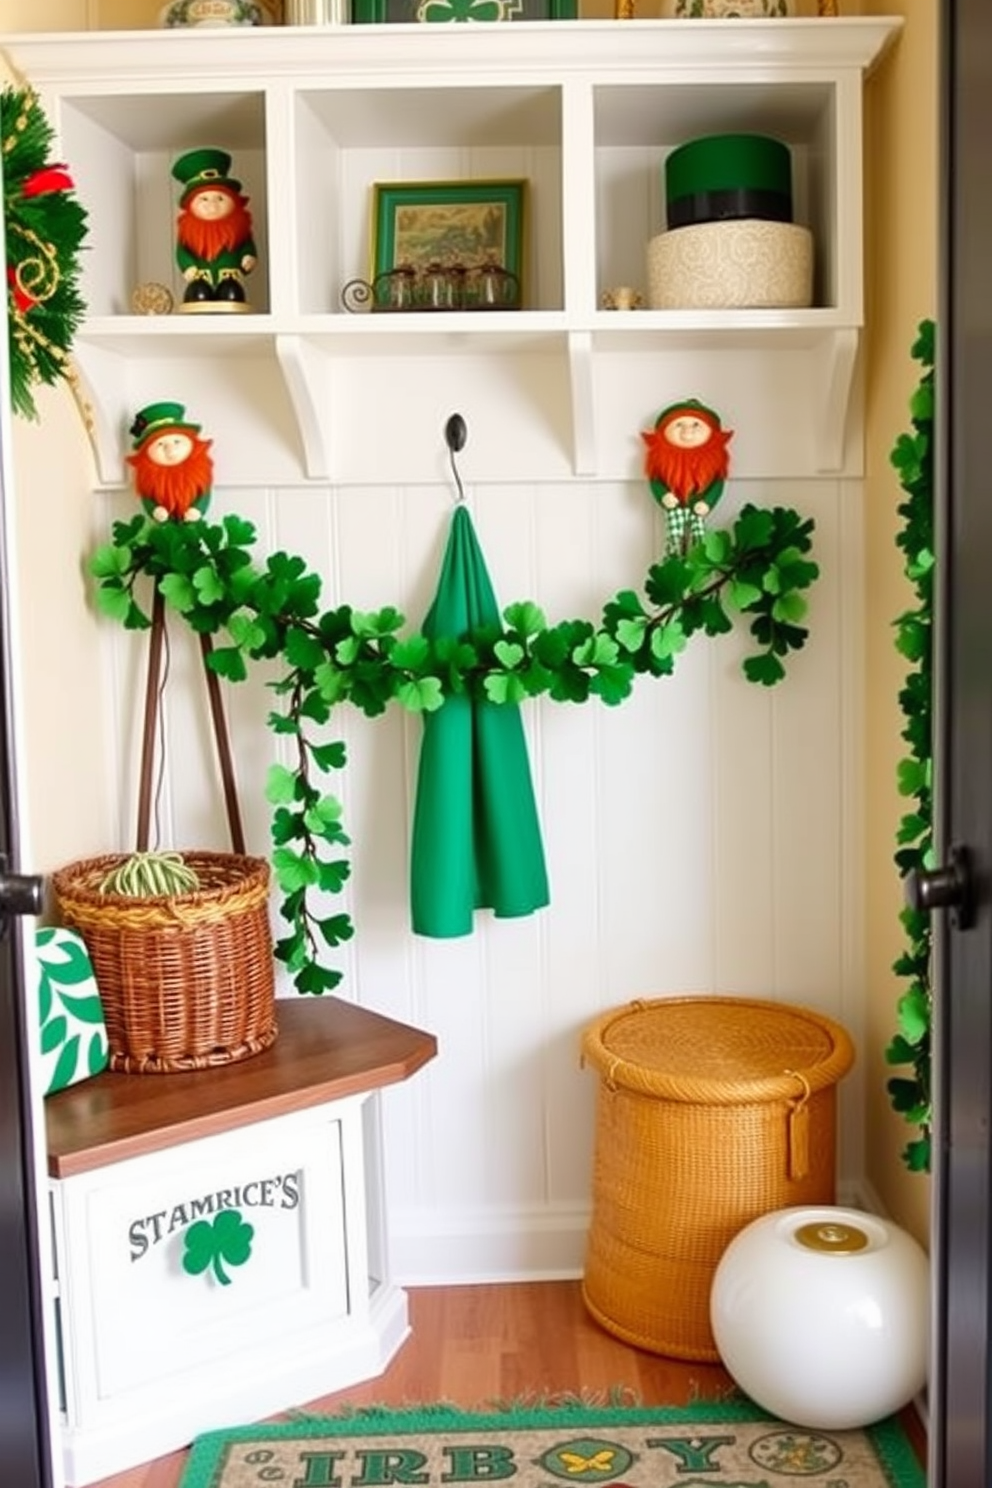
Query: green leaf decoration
{"x": 336, "y": 929}
{"x": 210, "y": 1243}
{"x": 914, "y": 1015}
{"x": 527, "y": 619}
{"x": 293, "y": 870}
{"x": 765, "y": 669}
{"x": 270, "y": 611}
{"x": 281, "y": 786}
{"x": 110, "y": 562}
{"x": 505, "y": 688}
{"x": 329, "y": 756}
{"x": 179, "y": 592}
{"x": 228, "y": 662}
{"x": 612, "y": 684}
{"x": 668, "y": 640}
{"x": 208, "y": 585}
{"x": 912, "y": 460}
{"x": 302, "y": 649}
{"x": 413, "y": 655}
{"x": 317, "y": 980}
{"x": 245, "y": 631}
{"x": 743, "y": 595}
{"x": 114, "y": 602}
{"x": 424, "y": 695}
{"x": 508, "y": 654}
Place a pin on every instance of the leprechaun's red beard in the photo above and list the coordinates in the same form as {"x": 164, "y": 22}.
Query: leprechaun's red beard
{"x": 687, "y": 472}
{"x": 208, "y": 239}
{"x": 174, "y": 487}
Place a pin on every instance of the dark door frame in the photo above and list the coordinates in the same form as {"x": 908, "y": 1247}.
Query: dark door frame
{"x": 960, "y": 1454}
{"x": 25, "y": 1434}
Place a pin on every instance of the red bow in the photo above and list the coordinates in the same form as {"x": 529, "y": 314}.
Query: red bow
{"x": 49, "y": 178}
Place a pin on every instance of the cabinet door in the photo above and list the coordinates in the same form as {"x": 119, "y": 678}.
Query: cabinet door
{"x": 201, "y": 1258}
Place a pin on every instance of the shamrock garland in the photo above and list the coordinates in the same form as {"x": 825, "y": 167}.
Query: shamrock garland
{"x": 45, "y": 227}
{"x": 912, "y": 457}
{"x": 206, "y": 571}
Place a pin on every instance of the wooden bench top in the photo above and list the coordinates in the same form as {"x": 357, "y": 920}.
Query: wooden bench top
{"x": 326, "y": 1049}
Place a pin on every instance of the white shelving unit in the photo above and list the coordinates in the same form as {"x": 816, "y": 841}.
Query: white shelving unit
{"x": 585, "y": 111}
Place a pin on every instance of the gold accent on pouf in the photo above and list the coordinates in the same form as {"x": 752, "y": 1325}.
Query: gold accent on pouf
{"x": 829, "y": 1238}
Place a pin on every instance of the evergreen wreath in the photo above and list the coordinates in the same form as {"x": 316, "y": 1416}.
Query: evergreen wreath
{"x": 45, "y": 227}
{"x": 756, "y": 570}
{"x": 912, "y": 456}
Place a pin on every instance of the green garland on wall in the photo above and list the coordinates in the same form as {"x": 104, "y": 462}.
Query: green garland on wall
{"x": 912, "y": 456}
{"x": 756, "y": 570}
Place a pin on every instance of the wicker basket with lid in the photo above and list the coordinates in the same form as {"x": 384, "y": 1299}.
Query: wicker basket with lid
{"x": 711, "y": 1111}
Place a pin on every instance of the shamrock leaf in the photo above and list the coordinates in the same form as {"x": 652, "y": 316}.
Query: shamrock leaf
{"x": 227, "y": 1238}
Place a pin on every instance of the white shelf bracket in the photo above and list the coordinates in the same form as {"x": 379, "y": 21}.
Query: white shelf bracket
{"x": 580, "y": 367}
{"x": 833, "y": 377}
{"x": 305, "y": 370}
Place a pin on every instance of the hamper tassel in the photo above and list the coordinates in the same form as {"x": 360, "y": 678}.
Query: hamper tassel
{"x": 798, "y": 1143}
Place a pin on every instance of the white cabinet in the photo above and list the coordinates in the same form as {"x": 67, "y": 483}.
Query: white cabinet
{"x": 220, "y": 1237}
{"x": 585, "y": 111}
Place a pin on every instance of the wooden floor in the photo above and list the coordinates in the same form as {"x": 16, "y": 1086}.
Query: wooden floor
{"x": 483, "y": 1345}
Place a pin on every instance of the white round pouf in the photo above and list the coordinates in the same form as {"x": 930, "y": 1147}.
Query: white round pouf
{"x": 821, "y": 1316}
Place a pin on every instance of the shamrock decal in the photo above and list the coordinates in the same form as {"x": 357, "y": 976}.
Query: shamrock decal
{"x": 208, "y": 1242}
{"x": 460, "y": 10}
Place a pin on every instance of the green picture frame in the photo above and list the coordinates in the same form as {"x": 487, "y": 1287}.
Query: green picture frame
{"x": 398, "y": 12}
{"x": 466, "y": 222}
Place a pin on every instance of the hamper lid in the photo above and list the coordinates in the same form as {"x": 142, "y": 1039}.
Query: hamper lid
{"x": 717, "y": 1050}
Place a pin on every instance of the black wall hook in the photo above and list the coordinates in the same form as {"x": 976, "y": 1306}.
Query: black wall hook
{"x": 455, "y": 435}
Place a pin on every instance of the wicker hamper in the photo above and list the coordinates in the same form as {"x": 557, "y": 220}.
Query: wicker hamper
{"x": 710, "y": 1112}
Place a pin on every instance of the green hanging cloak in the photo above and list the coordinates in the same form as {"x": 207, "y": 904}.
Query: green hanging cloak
{"x": 476, "y": 838}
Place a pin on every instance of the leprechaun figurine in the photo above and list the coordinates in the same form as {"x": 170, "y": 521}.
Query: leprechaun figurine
{"x": 687, "y": 464}
{"x": 215, "y": 249}
{"x": 173, "y": 469}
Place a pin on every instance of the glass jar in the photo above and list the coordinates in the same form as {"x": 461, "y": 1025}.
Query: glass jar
{"x": 395, "y": 289}
{"x": 694, "y": 10}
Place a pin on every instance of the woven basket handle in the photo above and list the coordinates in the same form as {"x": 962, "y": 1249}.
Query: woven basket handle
{"x": 151, "y": 720}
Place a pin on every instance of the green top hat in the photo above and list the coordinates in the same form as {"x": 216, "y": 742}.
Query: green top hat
{"x": 199, "y": 168}
{"x": 727, "y": 176}
{"x": 158, "y": 416}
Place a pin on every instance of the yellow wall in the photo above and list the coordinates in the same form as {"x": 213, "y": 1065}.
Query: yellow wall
{"x": 901, "y": 197}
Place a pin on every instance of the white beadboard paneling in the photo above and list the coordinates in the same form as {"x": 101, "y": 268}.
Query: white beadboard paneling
{"x": 488, "y": 1244}
{"x": 516, "y": 408}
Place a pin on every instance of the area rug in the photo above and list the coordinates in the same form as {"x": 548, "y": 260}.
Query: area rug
{"x": 721, "y": 1444}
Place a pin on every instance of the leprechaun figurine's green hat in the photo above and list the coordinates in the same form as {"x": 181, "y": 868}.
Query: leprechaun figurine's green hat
{"x": 156, "y": 417}
{"x": 173, "y": 470}
{"x": 203, "y": 168}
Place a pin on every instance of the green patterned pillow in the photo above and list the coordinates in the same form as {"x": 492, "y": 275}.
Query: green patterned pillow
{"x": 73, "y": 1034}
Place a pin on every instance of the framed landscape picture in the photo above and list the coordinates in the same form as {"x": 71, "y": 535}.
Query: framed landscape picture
{"x": 468, "y": 223}
{"x": 366, "y": 12}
